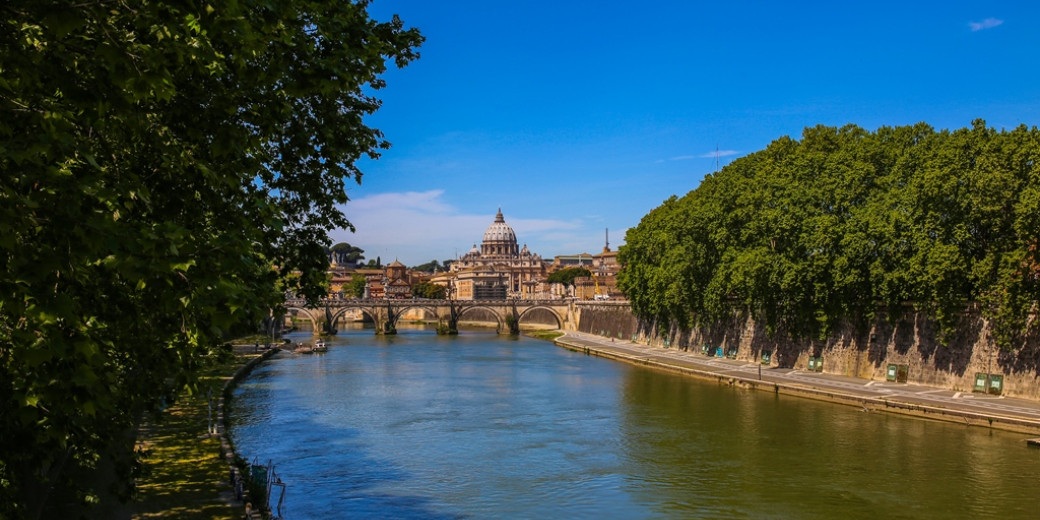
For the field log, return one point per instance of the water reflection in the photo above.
(712, 451)
(479, 426)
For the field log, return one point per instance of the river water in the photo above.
(422, 426)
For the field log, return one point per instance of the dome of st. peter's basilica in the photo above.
(499, 239)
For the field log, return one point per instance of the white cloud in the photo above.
(717, 153)
(709, 155)
(988, 23)
(416, 227)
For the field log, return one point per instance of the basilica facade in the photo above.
(498, 269)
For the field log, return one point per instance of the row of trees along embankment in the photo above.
(167, 171)
(846, 225)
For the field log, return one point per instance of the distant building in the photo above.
(498, 269)
(565, 261)
(603, 269)
(373, 282)
(396, 282)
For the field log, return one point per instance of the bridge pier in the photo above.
(513, 321)
(450, 328)
(386, 320)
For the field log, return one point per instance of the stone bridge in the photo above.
(385, 313)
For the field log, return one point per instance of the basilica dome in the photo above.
(499, 239)
(499, 231)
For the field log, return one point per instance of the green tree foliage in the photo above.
(429, 290)
(567, 275)
(357, 286)
(432, 266)
(348, 254)
(163, 167)
(845, 223)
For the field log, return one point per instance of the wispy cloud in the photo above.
(418, 226)
(988, 23)
(709, 155)
(717, 153)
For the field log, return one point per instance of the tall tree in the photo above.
(348, 254)
(157, 159)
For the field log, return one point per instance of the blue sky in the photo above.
(576, 117)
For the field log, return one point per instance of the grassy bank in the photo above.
(548, 335)
(183, 474)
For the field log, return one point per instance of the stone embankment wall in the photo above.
(866, 354)
(608, 318)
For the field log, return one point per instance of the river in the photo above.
(479, 425)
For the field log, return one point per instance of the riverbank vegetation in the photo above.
(846, 223)
(169, 171)
(547, 335)
(181, 471)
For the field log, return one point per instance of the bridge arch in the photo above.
(429, 309)
(499, 319)
(342, 312)
(305, 313)
(527, 311)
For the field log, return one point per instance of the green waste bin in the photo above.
(767, 357)
(981, 381)
(996, 384)
(890, 375)
(816, 364)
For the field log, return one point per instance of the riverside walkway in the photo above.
(1006, 413)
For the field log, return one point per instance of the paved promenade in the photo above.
(976, 409)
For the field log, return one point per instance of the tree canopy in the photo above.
(348, 254)
(567, 275)
(163, 167)
(432, 266)
(429, 290)
(356, 287)
(845, 223)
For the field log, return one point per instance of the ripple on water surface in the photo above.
(423, 427)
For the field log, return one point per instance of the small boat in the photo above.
(320, 346)
(303, 348)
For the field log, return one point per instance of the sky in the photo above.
(577, 118)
